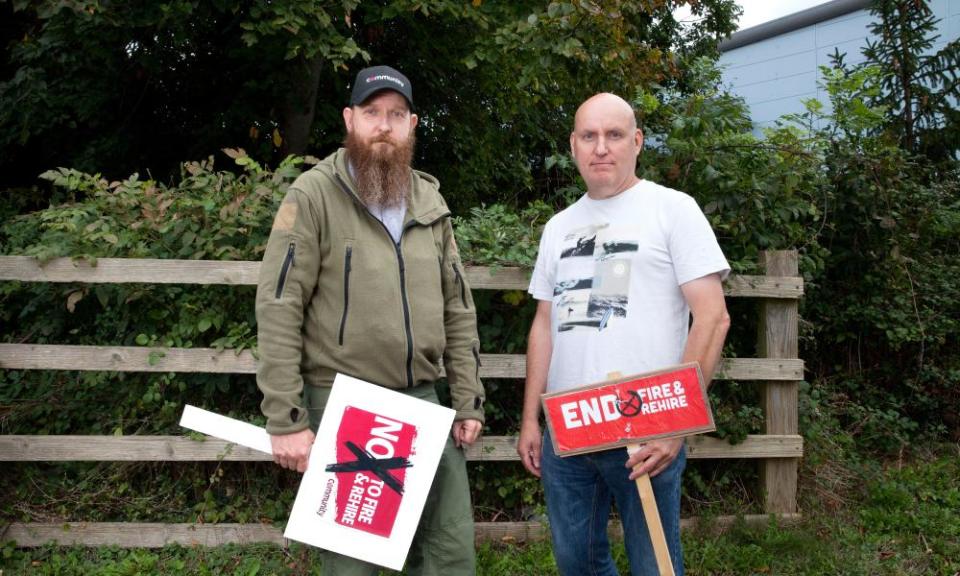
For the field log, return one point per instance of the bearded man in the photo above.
(361, 276)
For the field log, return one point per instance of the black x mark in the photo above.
(379, 467)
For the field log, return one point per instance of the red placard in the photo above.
(664, 404)
(373, 453)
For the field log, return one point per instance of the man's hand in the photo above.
(466, 432)
(654, 456)
(292, 451)
(529, 446)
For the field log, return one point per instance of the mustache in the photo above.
(382, 175)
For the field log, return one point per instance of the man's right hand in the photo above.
(292, 450)
(528, 447)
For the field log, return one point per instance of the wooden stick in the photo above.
(651, 513)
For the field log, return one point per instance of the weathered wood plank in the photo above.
(743, 286)
(210, 360)
(67, 448)
(778, 329)
(501, 278)
(759, 369)
(140, 534)
(157, 271)
(753, 446)
(125, 359)
(156, 535)
(736, 286)
(129, 270)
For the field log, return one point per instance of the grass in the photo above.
(899, 519)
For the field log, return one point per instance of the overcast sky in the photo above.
(757, 11)
(760, 11)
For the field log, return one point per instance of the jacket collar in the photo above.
(424, 206)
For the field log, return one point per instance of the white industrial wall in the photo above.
(776, 74)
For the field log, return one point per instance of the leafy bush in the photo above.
(885, 311)
(498, 235)
(875, 228)
(207, 215)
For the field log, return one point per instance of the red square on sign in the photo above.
(373, 454)
(667, 403)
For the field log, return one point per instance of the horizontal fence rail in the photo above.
(184, 449)
(156, 535)
(238, 273)
(777, 372)
(211, 360)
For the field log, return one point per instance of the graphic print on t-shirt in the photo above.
(593, 278)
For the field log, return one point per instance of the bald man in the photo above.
(618, 275)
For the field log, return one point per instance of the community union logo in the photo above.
(393, 79)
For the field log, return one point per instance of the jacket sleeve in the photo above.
(462, 354)
(288, 275)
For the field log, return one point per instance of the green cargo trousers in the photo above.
(444, 541)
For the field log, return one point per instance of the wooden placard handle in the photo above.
(651, 513)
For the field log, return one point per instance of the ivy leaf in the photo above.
(155, 356)
(73, 298)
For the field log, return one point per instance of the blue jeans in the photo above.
(579, 491)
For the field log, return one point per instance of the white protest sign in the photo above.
(225, 428)
(370, 470)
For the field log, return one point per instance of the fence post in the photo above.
(778, 339)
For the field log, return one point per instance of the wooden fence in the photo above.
(778, 371)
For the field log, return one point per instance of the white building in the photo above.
(774, 66)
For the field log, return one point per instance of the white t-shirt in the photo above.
(392, 218)
(613, 270)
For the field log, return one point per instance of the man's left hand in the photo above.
(654, 456)
(466, 432)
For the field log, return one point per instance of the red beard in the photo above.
(382, 172)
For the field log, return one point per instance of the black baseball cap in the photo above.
(377, 78)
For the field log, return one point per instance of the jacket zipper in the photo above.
(346, 292)
(408, 329)
(287, 263)
(476, 356)
(406, 311)
(463, 288)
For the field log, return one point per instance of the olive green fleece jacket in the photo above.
(336, 294)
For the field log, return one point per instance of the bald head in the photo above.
(605, 144)
(608, 105)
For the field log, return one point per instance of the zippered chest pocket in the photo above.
(288, 262)
(466, 298)
(347, 258)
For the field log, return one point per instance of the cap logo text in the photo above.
(385, 77)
